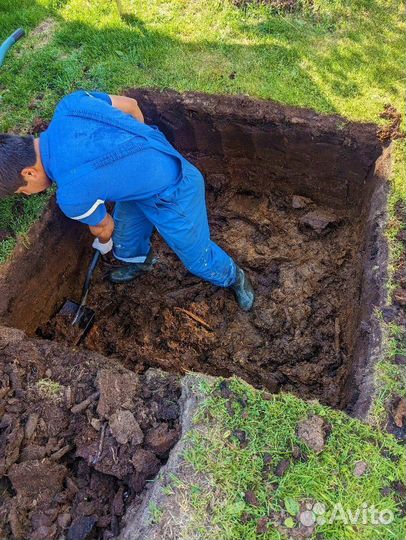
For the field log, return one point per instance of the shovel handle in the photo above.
(90, 271)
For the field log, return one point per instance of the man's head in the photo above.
(21, 169)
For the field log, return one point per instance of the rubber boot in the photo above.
(243, 290)
(130, 271)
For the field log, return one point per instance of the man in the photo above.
(98, 149)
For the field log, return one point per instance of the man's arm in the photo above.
(104, 230)
(128, 105)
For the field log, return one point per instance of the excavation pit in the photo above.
(298, 200)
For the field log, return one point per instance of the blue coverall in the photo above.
(96, 153)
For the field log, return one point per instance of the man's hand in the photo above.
(128, 105)
(104, 230)
(103, 248)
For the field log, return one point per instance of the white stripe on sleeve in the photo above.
(90, 211)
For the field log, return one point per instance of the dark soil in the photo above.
(79, 438)
(392, 130)
(303, 261)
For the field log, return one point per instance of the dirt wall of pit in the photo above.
(266, 145)
(43, 269)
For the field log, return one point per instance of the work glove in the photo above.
(103, 248)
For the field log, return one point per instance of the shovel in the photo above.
(81, 316)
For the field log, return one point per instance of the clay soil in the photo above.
(78, 440)
(304, 263)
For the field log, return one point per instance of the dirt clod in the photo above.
(161, 439)
(360, 468)
(399, 412)
(282, 467)
(124, 428)
(299, 202)
(251, 498)
(64, 473)
(313, 432)
(81, 528)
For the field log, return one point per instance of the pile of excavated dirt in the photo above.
(79, 438)
(305, 264)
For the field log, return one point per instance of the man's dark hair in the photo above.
(16, 153)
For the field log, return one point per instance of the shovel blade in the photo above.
(83, 323)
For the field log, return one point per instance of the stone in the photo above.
(125, 428)
(319, 221)
(312, 432)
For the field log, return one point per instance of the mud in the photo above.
(78, 440)
(303, 263)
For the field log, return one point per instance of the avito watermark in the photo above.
(365, 514)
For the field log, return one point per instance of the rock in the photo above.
(282, 467)
(312, 432)
(161, 439)
(117, 391)
(37, 479)
(124, 428)
(299, 202)
(360, 468)
(251, 498)
(399, 412)
(81, 528)
(145, 462)
(319, 221)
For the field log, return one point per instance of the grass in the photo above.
(49, 389)
(270, 426)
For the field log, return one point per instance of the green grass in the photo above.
(333, 56)
(270, 427)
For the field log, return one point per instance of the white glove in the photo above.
(103, 248)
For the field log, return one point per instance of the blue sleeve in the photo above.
(75, 98)
(100, 95)
(90, 214)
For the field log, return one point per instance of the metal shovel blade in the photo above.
(78, 317)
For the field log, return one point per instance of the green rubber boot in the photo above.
(243, 290)
(130, 271)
